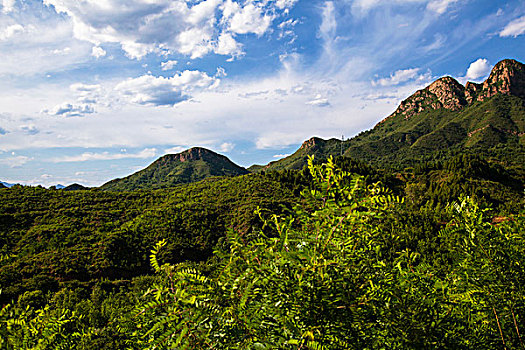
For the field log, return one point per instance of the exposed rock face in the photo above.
(312, 143)
(507, 77)
(449, 93)
(194, 153)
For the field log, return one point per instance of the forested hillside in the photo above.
(349, 264)
(439, 122)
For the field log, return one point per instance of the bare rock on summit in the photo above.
(507, 77)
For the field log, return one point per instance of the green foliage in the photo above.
(350, 266)
(331, 277)
(171, 170)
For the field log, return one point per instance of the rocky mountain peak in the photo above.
(507, 77)
(194, 153)
(312, 142)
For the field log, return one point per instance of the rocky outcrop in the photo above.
(507, 77)
(195, 153)
(312, 143)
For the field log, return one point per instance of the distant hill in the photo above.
(75, 187)
(191, 165)
(440, 121)
(2, 185)
(6, 184)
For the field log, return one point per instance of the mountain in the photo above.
(191, 165)
(314, 146)
(2, 185)
(75, 187)
(442, 120)
(6, 184)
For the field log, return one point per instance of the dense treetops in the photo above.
(349, 265)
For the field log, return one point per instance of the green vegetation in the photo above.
(351, 266)
(413, 240)
(191, 165)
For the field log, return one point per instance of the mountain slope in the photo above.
(445, 119)
(314, 146)
(191, 165)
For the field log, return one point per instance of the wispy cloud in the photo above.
(514, 28)
(88, 156)
(15, 161)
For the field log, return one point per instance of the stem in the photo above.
(499, 326)
(517, 329)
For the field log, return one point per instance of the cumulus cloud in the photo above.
(478, 69)
(514, 28)
(70, 110)
(168, 65)
(8, 6)
(161, 91)
(164, 26)
(11, 31)
(89, 156)
(249, 19)
(98, 52)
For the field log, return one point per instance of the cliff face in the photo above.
(507, 77)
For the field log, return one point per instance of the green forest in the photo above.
(336, 255)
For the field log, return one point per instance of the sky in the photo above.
(92, 90)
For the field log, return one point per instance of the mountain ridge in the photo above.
(443, 119)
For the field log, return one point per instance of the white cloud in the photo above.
(29, 129)
(514, 28)
(398, 77)
(168, 65)
(227, 147)
(227, 45)
(163, 26)
(161, 91)
(478, 69)
(70, 110)
(30, 39)
(437, 6)
(8, 6)
(15, 162)
(11, 31)
(285, 4)
(279, 156)
(89, 156)
(319, 101)
(250, 19)
(174, 150)
(98, 52)
(440, 6)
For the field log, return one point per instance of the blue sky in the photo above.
(97, 89)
